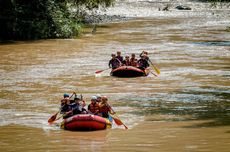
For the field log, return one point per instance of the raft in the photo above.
(129, 71)
(85, 122)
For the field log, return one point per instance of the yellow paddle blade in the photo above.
(156, 69)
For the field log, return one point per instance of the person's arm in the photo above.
(110, 64)
(147, 63)
(141, 54)
(110, 109)
(89, 109)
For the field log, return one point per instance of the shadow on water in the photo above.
(214, 43)
(186, 105)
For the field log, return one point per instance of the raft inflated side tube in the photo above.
(129, 71)
(85, 122)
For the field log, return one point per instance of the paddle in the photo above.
(99, 71)
(155, 68)
(116, 119)
(154, 74)
(57, 118)
(53, 117)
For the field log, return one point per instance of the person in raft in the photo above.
(105, 108)
(143, 62)
(133, 60)
(119, 57)
(69, 109)
(114, 62)
(126, 62)
(65, 106)
(78, 106)
(98, 98)
(93, 107)
(146, 55)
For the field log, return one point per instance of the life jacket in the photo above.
(104, 108)
(126, 62)
(104, 111)
(133, 62)
(93, 107)
(143, 63)
(115, 63)
(65, 108)
(120, 58)
(76, 107)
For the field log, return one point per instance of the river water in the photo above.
(185, 108)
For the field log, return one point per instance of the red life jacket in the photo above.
(94, 108)
(126, 62)
(104, 109)
(133, 62)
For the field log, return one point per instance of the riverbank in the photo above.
(130, 9)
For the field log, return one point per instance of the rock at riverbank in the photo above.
(182, 7)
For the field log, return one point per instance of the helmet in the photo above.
(98, 96)
(93, 98)
(113, 54)
(65, 95)
(76, 98)
(104, 98)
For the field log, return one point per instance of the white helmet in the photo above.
(93, 98)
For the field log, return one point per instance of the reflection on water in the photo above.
(187, 105)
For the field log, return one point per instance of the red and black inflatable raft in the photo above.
(129, 71)
(85, 122)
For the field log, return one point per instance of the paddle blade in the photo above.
(52, 118)
(99, 71)
(157, 70)
(118, 121)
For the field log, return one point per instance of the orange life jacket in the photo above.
(94, 108)
(104, 109)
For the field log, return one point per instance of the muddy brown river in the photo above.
(185, 108)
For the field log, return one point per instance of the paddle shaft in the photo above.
(154, 74)
(117, 117)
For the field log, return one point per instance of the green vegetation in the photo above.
(40, 19)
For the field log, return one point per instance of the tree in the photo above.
(39, 19)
